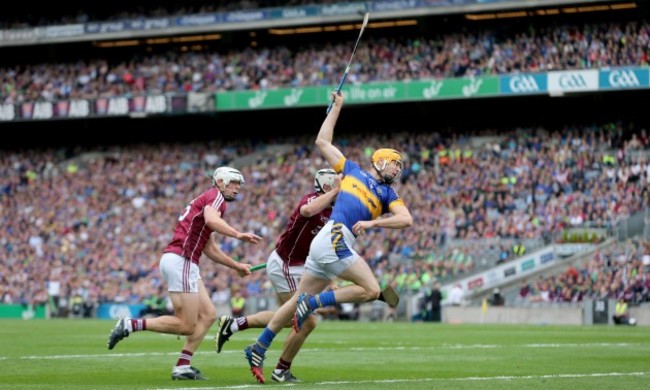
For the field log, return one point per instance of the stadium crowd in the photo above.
(445, 55)
(92, 222)
(72, 12)
(621, 271)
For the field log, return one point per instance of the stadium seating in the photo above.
(91, 221)
(100, 219)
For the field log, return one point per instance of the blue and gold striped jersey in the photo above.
(361, 197)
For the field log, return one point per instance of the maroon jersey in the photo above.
(191, 232)
(293, 244)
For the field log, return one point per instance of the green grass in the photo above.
(72, 354)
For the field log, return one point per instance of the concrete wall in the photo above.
(534, 315)
(642, 315)
(552, 315)
(510, 315)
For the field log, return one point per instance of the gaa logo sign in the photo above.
(523, 84)
(573, 81)
(584, 80)
(623, 79)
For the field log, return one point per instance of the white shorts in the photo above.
(283, 277)
(180, 273)
(330, 252)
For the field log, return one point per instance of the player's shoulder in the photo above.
(350, 163)
(387, 190)
(211, 192)
(306, 198)
(209, 196)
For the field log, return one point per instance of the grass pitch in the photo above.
(72, 354)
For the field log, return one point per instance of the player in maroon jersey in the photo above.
(285, 267)
(194, 312)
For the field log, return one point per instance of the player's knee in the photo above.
(209, 317)
(309, 324)
(207, 321)
(187, 329)
(372, 294)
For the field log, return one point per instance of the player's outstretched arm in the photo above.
(324, 139)
(217, 224)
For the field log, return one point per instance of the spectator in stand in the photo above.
(518, 249)
(504, 255)
(646, 256)
(524, 290)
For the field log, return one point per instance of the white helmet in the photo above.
(322, 178)
(226, 175)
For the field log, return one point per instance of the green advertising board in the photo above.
(370, 93)
(25, 312)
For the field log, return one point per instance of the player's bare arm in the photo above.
(322, 202)
(217, 224)
(324, 139)
(214, 253)
(401, 218)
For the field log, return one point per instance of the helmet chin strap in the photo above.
(385, 178)
(227, 198)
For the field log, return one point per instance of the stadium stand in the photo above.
(412, 57)
(86, 219)
(102, 214)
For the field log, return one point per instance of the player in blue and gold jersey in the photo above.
(363, 197)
